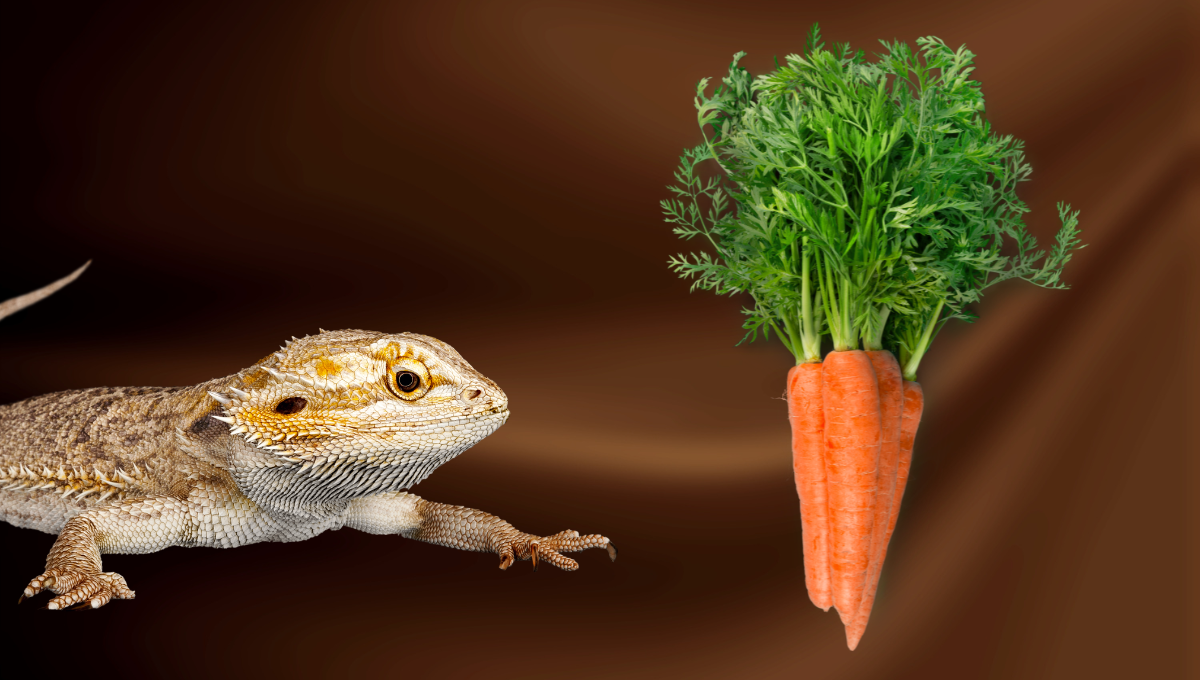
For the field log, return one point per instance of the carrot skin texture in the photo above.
(914, 406)
(891, 405)
(807, 416)
(850, 393)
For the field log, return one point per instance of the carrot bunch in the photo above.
(854, 421)
(859, 204)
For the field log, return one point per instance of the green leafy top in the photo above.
(856, 199)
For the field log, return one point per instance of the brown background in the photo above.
(488, 173)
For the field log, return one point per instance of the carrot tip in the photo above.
(853, 635)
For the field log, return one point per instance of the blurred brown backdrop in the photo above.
(488, 173)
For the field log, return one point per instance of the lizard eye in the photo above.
(407, 381)
(291, 405)
(408, 378)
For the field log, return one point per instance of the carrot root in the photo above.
(854, 422)
(850, 392)
(913, 403)
(914, 406)
(807, 417)
(891, 402)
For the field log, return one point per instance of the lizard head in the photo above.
(403, 403)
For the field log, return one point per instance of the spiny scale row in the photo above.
(68, 482)
(262, 437)
(232, 406)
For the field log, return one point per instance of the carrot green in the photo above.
(869, 201)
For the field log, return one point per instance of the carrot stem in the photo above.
(910, 367)
(783, 337)
(793, 338)
(873, 334)
(847, 330)
(810, 336)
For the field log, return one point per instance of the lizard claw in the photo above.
(79, 590)
(506, 558)
(522, 546)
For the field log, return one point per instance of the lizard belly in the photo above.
(42, 510)
(223, 517)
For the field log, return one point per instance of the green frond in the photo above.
(855, 198)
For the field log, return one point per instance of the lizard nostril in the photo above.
(470, 394)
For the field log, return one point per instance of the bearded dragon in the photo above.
(330, 431)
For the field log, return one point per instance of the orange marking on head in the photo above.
(389, 353)
(327, 367)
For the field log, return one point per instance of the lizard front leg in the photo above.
(73, 568)
(466, 529)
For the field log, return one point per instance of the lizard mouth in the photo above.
(456, 420)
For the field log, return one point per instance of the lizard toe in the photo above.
(117, 586)
(49, 579)
(80, 590)
(506, 557)
(554, 557)
(550, 548)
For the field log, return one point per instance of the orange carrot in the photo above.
(914, 405)
(850, 393)
(830, 273)
(891, 401)
(808, 464)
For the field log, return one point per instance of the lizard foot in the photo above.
(92, 590)
(522, 546)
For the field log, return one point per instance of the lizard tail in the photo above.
(20, 302)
